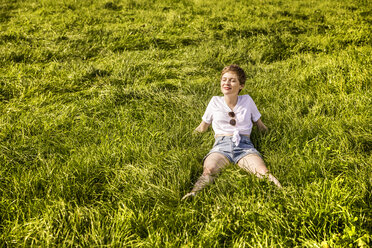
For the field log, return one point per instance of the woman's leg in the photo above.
(254, 164)
(213, 164)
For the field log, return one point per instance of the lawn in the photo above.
(98, 101)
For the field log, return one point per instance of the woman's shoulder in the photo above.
(216, 102)
(247, 100)
(217, 99)
(246, 97)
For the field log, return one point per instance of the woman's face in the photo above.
(230, 84)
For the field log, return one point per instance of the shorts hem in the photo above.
(249, 152)
(227, 156)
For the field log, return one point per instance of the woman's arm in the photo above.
(202, 127)
(261, 126)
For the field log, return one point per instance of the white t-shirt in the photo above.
(245, 110)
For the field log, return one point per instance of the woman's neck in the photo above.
(231, 100)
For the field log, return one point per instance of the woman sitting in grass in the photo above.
(232, 117)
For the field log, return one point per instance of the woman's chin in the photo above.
(229, 93)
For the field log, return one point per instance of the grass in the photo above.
(98, 100)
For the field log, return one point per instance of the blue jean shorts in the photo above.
(234, 153)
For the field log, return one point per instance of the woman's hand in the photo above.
(261, 126)
(203, 126)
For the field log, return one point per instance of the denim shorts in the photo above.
(227, 147)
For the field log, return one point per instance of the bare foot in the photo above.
(189, 195)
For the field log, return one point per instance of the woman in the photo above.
(232, 117)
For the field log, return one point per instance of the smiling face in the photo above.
(230, 84)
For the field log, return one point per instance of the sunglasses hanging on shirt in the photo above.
(232, 121)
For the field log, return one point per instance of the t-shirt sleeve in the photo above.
(254, 111)
(208, 114)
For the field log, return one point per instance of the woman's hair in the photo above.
(236, 69)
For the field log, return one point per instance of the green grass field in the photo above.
(98, 100)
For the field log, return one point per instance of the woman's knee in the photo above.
(210, 170)
(214, 163)
(254, 164)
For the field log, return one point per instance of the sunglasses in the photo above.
(232, 121)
